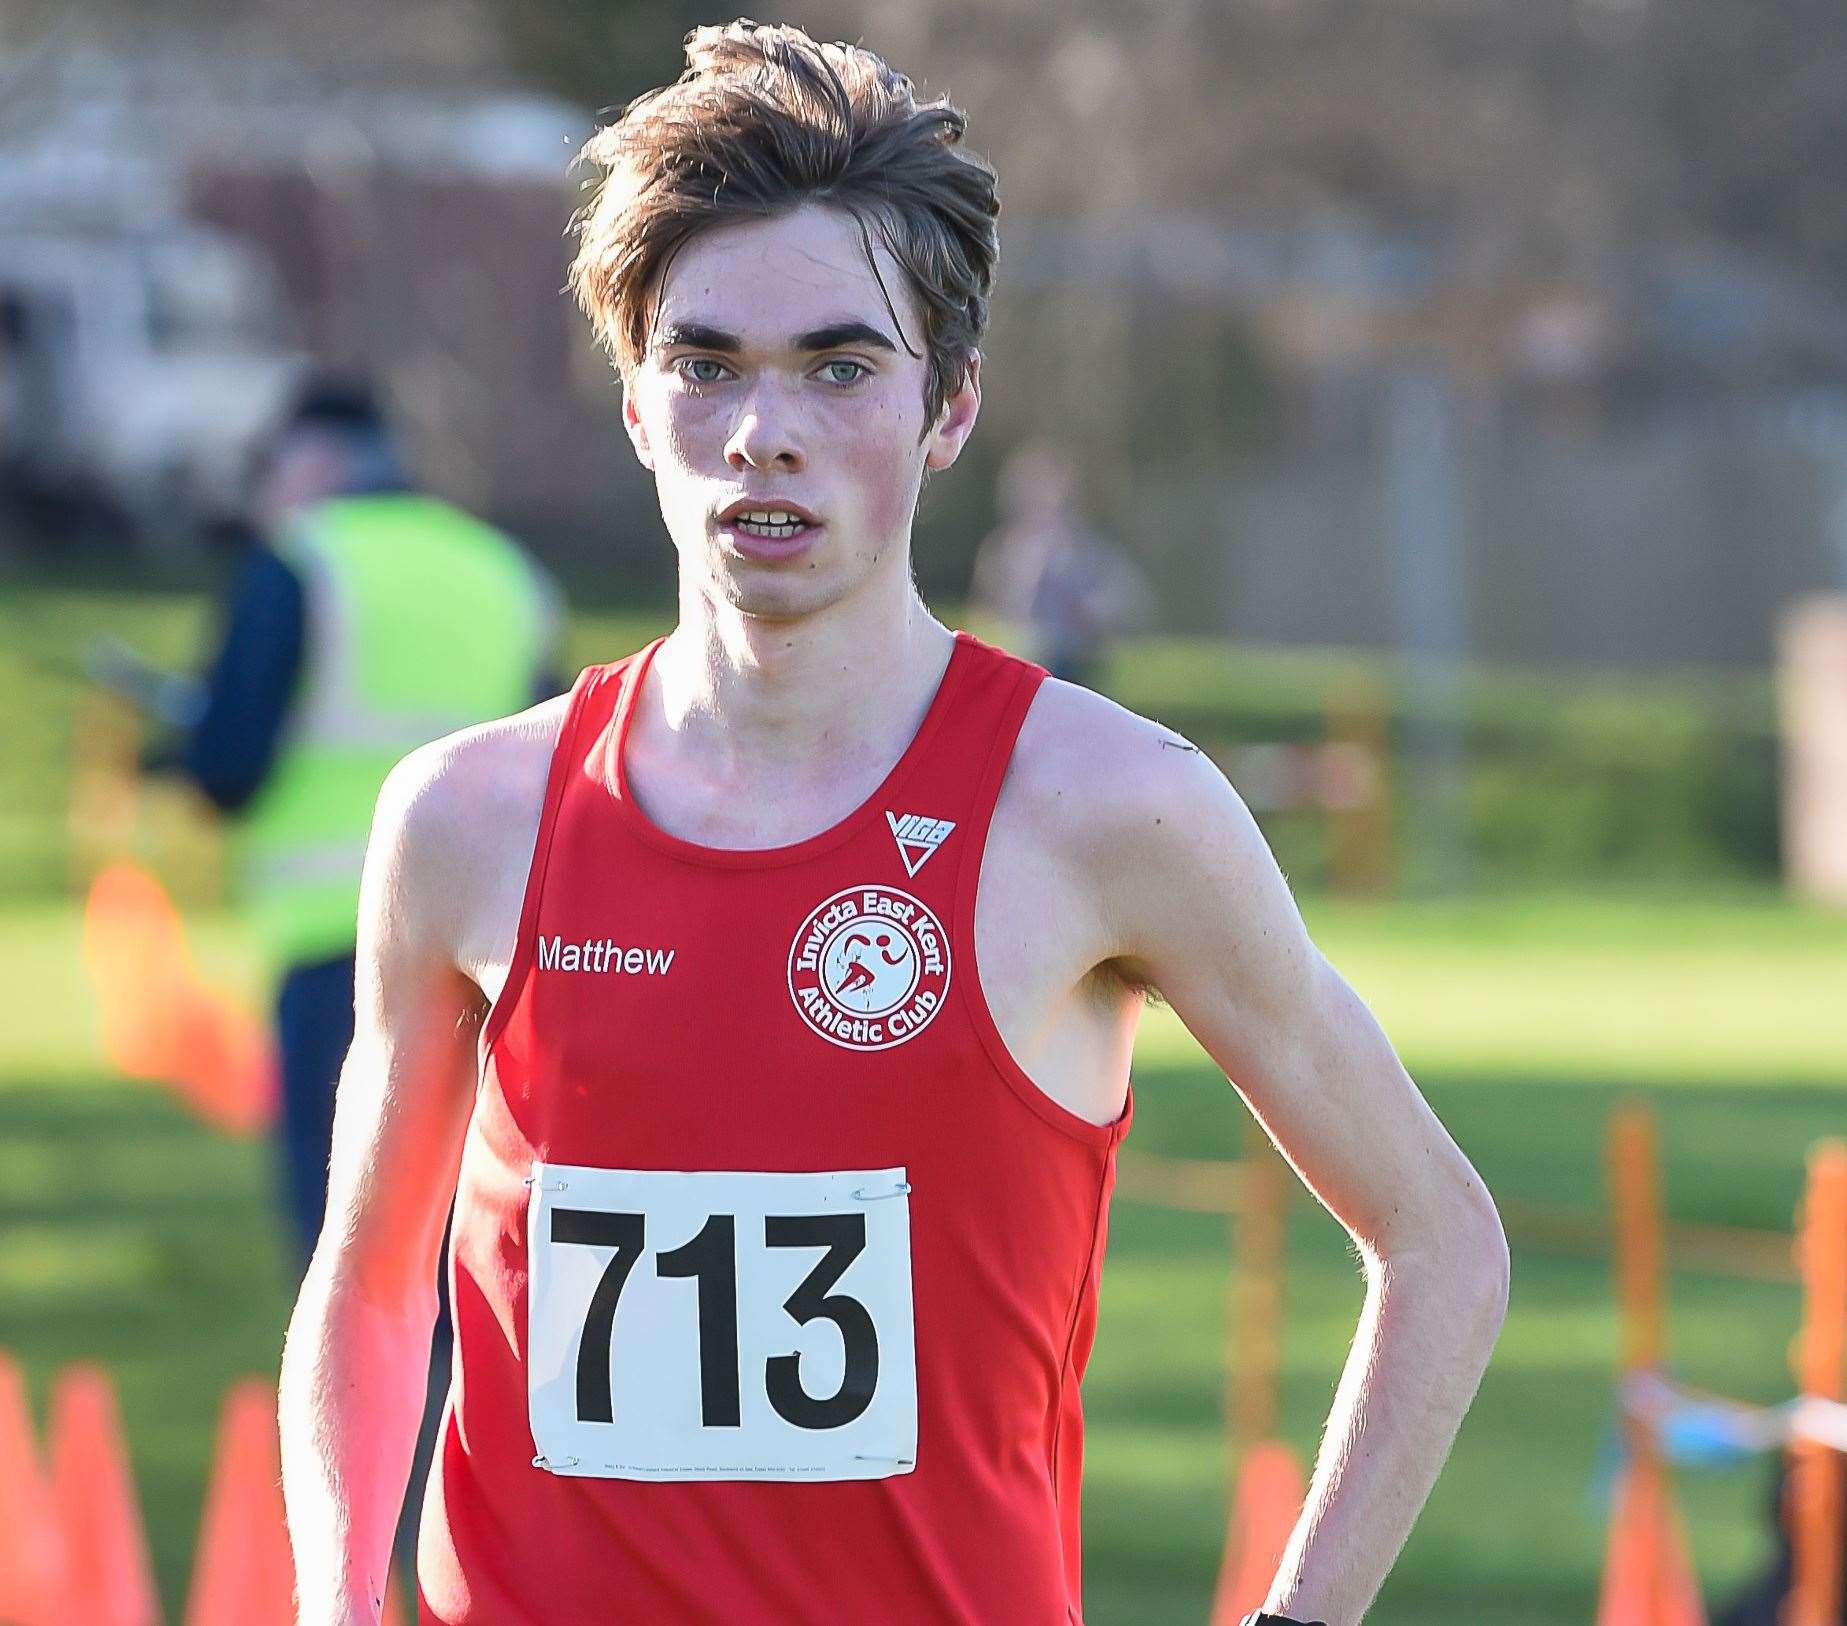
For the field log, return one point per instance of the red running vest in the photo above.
(773, 1274)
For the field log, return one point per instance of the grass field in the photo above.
(128, 1234)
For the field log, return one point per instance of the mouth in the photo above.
(768, 520)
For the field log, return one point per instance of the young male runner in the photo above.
(771, 996)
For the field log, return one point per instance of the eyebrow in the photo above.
(831, 337)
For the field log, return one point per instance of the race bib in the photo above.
(720, 1326)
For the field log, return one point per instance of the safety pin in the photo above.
(866, 1195)
(556, 1185)
(908, 1462)
(549, 1466)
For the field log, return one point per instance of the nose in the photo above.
(764, 436)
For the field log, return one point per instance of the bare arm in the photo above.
(354, 1368)
(1204, 915)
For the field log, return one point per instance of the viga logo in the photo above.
(869, 967)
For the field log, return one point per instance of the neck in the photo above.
(755, 690)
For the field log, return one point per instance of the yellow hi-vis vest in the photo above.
(419, 620)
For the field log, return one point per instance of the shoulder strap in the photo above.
(594, 683)
(1007, 726)
(993, 709)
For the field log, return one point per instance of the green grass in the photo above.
(130, 1235)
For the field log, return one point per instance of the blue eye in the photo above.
(860, 370)
(689, 366)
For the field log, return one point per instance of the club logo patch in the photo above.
(869, 968)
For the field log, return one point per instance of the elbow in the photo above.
(341, 1308)
(1475, 1242)
(381, 1288)
(1502, 1277)
(1464, 1255)
(1485, 1260)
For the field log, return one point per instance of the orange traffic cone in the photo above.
(1264, 1508)
(243, 1574)
(1648, 1578)
(32, 1566)
(111, 1576)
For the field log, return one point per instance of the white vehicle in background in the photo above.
(137, 370)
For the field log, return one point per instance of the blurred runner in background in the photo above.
(368, 618)
(1065, 587)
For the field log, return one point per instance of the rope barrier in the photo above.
(1213, 1185)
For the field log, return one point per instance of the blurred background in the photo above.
(1437, 411)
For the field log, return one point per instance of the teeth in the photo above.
(771, 522)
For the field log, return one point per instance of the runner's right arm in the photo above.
(354, 1368)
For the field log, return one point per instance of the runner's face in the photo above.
(777, 378)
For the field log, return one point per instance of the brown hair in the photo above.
(763, 120)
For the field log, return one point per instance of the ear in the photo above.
(947, 436)
(637, 430)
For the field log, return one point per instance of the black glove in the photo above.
(1260, 1619)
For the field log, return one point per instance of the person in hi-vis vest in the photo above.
(368, 618)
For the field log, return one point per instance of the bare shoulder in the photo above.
(457, 818)
(464, 790)
(1149, 834)
(1089, 773)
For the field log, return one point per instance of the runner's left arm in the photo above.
(1200, 911)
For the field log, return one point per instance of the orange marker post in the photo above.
(1356, 789)
(1816, 1493)
(1648, 1579)
(1635, 1212)
(1269, 1484)
(1259, 1241)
